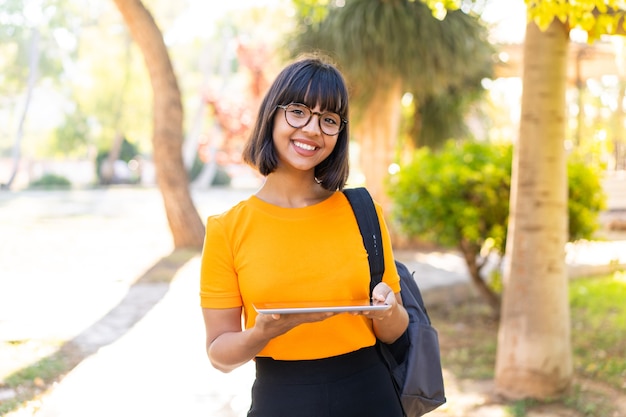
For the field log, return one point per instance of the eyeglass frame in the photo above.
(319, 115)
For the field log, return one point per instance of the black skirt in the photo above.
(354, 384)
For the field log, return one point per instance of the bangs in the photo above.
(318, 85)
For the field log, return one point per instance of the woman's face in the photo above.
(301, 148)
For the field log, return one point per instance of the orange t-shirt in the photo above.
(259, 252)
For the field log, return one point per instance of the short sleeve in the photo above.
(219, 286)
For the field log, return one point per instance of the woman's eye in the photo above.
(330, 121)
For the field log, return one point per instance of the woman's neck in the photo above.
(292, 192)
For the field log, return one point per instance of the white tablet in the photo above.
(318, 307)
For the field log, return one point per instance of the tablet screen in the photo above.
(318, 307)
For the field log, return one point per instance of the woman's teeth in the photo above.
(304, 146)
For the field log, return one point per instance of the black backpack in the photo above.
(414, 359)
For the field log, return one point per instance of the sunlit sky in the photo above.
(507, 16)
(198, 18)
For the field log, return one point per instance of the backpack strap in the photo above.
(367, 219)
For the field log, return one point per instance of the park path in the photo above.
(69, 259)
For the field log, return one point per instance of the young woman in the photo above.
(297, 240)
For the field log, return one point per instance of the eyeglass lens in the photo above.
(298, 115)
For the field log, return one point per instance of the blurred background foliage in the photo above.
(439, 63)
(90, 90)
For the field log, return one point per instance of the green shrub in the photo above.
(586, 198)
(127, 152)
(51, 181)
(458, 198)
(459, 194)
(221, 177)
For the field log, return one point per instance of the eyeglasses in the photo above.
(299, 115)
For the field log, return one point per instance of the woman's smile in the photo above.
(304, 146)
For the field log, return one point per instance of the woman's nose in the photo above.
(313, 125)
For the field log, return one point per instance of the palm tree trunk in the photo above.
(376, 134)
(534, 357)
(185, 223)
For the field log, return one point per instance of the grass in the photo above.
(520, 408)
(589, 403)
(598, 312)
(467, 333)
(468, 339)
(34, 379)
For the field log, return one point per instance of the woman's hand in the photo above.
(228, 346)
(388, 324)
(273, 325)
(383, 295)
